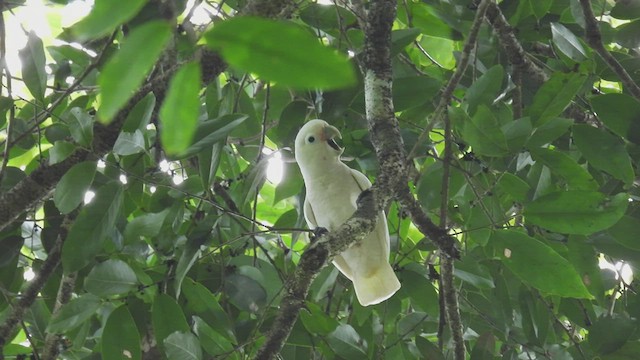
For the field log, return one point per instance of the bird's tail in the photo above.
(377, 287)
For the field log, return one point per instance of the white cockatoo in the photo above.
(332, 191)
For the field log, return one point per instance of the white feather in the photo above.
(332, 190)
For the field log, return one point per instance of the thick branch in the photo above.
(594, 38)
(512, 48)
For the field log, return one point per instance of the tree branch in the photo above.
(30, 293)
(594, 38)
(52, 341)
(41, 182)
(512, 48)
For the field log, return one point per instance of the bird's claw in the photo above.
(318, 232)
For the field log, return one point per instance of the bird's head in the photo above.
(315, 142)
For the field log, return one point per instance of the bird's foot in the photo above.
(318, 232)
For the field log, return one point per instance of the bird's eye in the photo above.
(311, 139)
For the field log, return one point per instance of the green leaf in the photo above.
(610, 333)
(316, 321)
(576, 212)
(81, 126)
(620, 113)
(484, 134)
(604, 151)
(73, 185)
(540, 7)
(280, 51)
(140, 115)
(549, 131)
(94, 223)
(401, 38)
(585, 260)
(514, 186)
(148, 224)
(60, 151)
(413, 91)
(212, 341)
(427, 19)
(105, 16)
(420, 290)
(346, 342)
(327, 17)
(74, 313)
(627, 34)
(167, 317)
(567, 42)
(190, 254)
(180, 109)
(33, 63)
(245, 293)
(10, 246)
(126, 70)
(554, 96)
(129, 143)
(111, 277)
(560, 164)
(538, 265)
(182, 346)
(484, 348)
(485, 89)
(429, 349)
(626, 10)
(210, 132)
(627, 232)
(120, 337)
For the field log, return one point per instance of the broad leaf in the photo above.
(210, 132)
(604, 151)
(627, 34)
(111, 277)
(485, 89)
(576, 177)
(74, 313)
(180, 109)
(33, 63)
(73, 185)
(105, 16)
(576, 212)
(626, 10)
(567, 42)
(281, 52)
(129, 143)
(126, 69)
(120, 337)
(346, 342)
(94, 223)
(182, 346)
(484, 134)
(620, 113)
(554, 96)
(609, 333)
(538, 265)
(167, 317)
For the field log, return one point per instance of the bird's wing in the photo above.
(361, 179)
(338, 261)
(381, 229)
(309, 216)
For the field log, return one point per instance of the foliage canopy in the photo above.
(177, 116)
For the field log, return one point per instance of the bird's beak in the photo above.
(329, 133)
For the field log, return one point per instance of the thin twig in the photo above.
(447, 92)
(594, 38)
